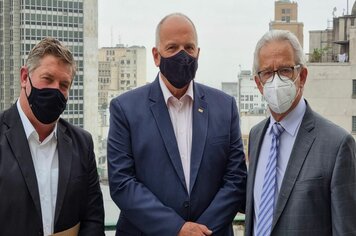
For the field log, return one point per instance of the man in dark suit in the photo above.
(314, 179)
(48, 176)
(175, 154)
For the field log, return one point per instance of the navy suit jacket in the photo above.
(145, 171)
(79, 198)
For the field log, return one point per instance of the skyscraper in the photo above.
(23, 23)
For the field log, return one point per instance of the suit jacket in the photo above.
(79, 197)
(145, 171)
(318, 192)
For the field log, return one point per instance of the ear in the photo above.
(23, 76)
(258, 83)
(198, 53)
(303, 76)
(156, 56)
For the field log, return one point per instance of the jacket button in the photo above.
(186, 204)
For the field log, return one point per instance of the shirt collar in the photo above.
(292, 121)
(167, 94)
(28, 127)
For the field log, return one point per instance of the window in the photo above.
(354, 124)
(354, 88)
(286, 19)
(286, 11)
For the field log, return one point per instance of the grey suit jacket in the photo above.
(318, 192)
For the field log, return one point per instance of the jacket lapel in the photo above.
(164, 124)
(65, 162)
(17, 138)
(200, 129)
(253, 160)
(301, 147)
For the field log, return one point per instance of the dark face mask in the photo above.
(179, 69)
(47, 104)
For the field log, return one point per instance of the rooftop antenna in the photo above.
(119, 38)
(347, 7)
(111, 37)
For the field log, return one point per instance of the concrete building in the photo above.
(121, 69)
(231, 88)
(251, 104)
(331, 83)
(74, 22)
(286, 18)
(250, 99)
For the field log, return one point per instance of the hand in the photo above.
(194, 229)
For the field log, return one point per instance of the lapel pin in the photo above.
(200, 110)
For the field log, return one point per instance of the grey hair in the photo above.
(279, 35)
(49, 46)
(158, 28)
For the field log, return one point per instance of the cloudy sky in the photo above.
(227, 30)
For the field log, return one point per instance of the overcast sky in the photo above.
(228, 30)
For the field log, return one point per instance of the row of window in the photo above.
(62, 39)
(51, 18)
(53, 5)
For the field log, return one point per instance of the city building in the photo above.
(231, 88)
(251, 104)
(286, 18)
(250, 99)
(331, 83)
(121, 69)
(74, 22)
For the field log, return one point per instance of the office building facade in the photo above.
(23, 23)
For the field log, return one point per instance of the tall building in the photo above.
(121, 69)
(24, 23)
(286, 18)
(331, 83)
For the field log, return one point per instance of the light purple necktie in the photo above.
(265, 214)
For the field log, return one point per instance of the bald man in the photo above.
(175, 154)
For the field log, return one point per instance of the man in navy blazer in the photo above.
(175, 155)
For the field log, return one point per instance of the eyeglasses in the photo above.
(266, 76)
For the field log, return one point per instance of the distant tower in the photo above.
(286, 18)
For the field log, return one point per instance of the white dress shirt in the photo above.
(291, 124)
(180, 112)
(45, 160)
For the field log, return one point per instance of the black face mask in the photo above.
(47, 104)
(179, 69)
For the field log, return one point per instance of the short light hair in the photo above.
(50, 46)
(158, 28)
(279, 35)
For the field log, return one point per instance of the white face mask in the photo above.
(280, 94)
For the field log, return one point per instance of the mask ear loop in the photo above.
(297, 94)
(29, 78)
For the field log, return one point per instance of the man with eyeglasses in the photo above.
(302, 168)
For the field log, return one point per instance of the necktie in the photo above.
(265, 215)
